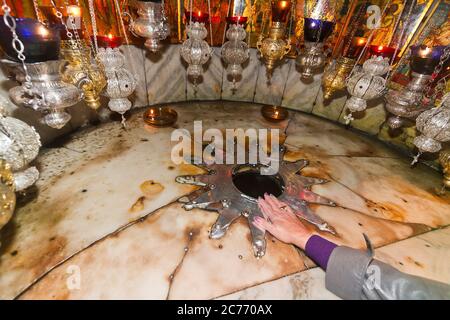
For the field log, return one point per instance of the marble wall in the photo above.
(162, 79)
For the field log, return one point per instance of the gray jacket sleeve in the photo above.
(354, 274)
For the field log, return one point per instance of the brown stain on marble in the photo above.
(138, 205)
(151, 188)
(414, 262)
(387, 210)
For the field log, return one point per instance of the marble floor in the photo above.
(105, 209)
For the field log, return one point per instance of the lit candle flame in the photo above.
(380, 48)
(361, 41)
(110, 36)
(424, 52)
(43, 31)
(74, 11)
(199, 13)
(283, 4)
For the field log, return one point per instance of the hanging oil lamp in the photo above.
(19, 145)
(434, 128)
(42, 87)
(366, 84)
(444, 160)
(274, 47)
(195, 50)
(120, 83)
(151, 24)
(406, 104)
(312, 58)
(336, 73)
(317, 26)
(235, 51)
(80, 71)
(8, 195)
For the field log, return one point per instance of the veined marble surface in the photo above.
(106, 207)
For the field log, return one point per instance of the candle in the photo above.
(280, 10)
(385, 52)
(40, 43)
(197, 16)
(160, 116)
(424, 59)
(317, 30)
(71, 15)
(237, 20)
(356, 46)
(274, 113)
(109, 41)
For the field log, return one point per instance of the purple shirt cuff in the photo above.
(319, 250)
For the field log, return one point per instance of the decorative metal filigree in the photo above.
(434, 126)
(218, 193)
(151, 24)
(444, 160)
(235, 51)
(311, 59)
(51, 95)
(87, 76)
(406, 104)
(120, 82)
(195, 50)
(335, 75)
(366, 84)
(274, 47)
(8, 196)
(19, 145)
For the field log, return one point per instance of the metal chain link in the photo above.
(355, 27)
(17, 44)
(437, 70)
(400, 39)
(93, 23)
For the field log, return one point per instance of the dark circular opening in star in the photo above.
(253, 184)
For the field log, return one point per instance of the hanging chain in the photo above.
(363, 51)
(413, 4)
(17, 44)
(226, 24)
(357, 21)
(291, 21)
(122, 25)
(36, 11)
(437, 70)
(210, 23)
(94, 24)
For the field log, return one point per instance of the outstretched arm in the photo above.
(350, 273)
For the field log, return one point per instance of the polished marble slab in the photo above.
(209, 87)
(271, 90)
(246, 86)
(305, 285)
(94, 210)
(165, 75)
(299, 94)
(427, 255)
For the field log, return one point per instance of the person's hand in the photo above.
(281, 222)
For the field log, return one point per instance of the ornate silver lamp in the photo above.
(434, 126)
(19, 145)
(406, 104)
(366, 84)
(235, 51)
(120, 82)
(151, 24)
(195, 50)
(51, 95)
